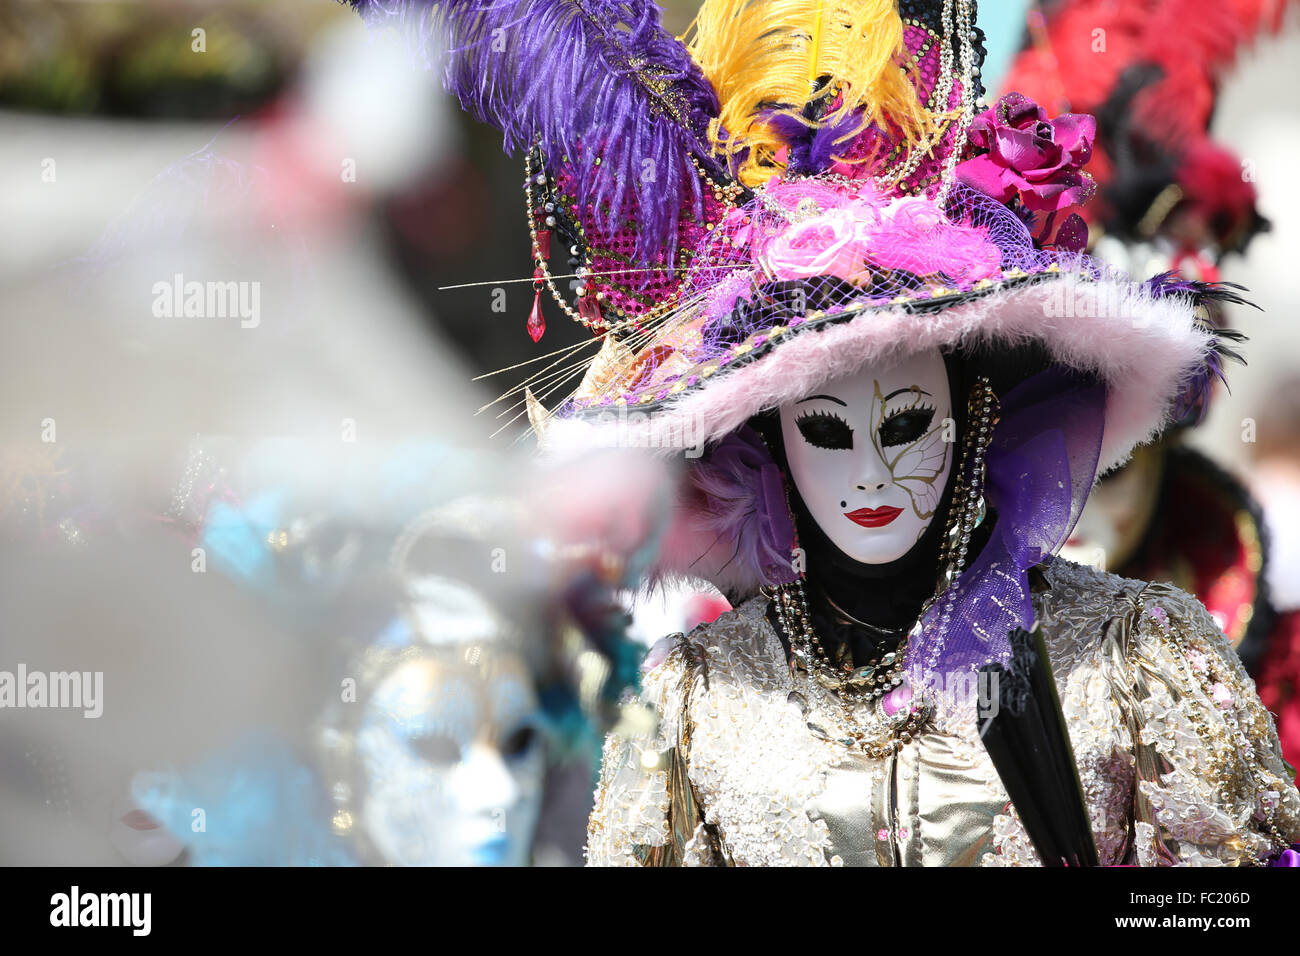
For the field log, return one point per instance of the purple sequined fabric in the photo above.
(1040, 468)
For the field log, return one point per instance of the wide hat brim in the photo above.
(1145, 348)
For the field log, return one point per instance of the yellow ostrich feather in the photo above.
(780, 54)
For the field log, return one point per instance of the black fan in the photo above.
(1030, 747)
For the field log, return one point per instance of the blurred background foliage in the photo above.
(136, 58)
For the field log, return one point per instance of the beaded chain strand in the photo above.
(726, 193)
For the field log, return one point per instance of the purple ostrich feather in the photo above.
(1194, 403)
(598, 85)
(747, 507)
(813, 147)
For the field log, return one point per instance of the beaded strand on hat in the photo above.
(943, 91)
(963, 28)
(541, 274)
(588, 313)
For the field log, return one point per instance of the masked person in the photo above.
(466, 682)
(809, 255)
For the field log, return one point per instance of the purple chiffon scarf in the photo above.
(1041, 465)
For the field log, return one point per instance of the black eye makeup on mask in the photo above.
(825, 430)
(905, 426)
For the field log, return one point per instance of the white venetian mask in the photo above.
(870, 455)
(455, 761)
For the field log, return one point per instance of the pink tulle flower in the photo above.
(915, 236)
(832, 244)
(1028, 155)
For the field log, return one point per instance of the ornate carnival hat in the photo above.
(796, 187)
(796, 190)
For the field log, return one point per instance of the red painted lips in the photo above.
(873, 517)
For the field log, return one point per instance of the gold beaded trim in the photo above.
(761, 336)
(1229, 769)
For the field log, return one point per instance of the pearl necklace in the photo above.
(851, 685)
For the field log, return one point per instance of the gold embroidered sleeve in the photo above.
(646, 810)
(1211, 787)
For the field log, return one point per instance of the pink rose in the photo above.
(1030, 156)
(832, 244)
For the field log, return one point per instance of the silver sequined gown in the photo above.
(1178, 759)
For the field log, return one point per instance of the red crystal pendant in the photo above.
(536, 323)
(544, 243)
(589, 309)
